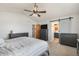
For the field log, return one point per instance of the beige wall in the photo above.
(16, 22)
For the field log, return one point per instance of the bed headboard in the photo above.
(15, 35)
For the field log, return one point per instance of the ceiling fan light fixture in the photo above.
(35, 15)
(35, 7)
(35, 12)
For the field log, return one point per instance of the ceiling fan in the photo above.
(35, 10)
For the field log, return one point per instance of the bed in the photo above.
(19, 44)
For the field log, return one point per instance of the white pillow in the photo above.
(2, 42)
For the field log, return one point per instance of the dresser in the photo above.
(78, 47)
(69, 39)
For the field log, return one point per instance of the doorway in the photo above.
(40, 31)
(55, 29)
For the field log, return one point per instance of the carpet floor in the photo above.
(56, 49)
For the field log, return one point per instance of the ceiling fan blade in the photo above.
(30, 14)
(28, 10)
(38, 15)
(41, 11)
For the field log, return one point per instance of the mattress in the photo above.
(24, 46)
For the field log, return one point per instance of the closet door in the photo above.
(36, 31)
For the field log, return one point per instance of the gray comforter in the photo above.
(23, 46)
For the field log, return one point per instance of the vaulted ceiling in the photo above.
(54, 10)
